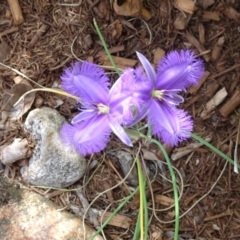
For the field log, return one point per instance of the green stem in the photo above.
(174, 182)
(141, 190)
(114, 213)
(137, 229)
(213, 149)
(105, 47)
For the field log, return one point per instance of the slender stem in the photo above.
(114, 213)
(137, 229)
(105, 46)
(145, 207)
(141, 190)
(174, 182)
(213, 149)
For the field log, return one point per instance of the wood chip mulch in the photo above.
(40, 38)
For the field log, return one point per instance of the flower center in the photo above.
(158, 94)
(102, 109)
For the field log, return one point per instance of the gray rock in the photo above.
(52, 163)
(1, 166)
(126, 160)
(27, 215)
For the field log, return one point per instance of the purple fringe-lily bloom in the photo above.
(103, 110)
(158, 93)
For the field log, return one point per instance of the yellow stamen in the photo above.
(102, 109)
(157, 94)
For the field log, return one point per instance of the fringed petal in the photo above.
(88, 137)
(87, 81)
(169, 124)
(179, 70)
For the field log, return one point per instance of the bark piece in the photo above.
(201, 31)
(9, 31)
(115, 49)
(118, 220)
(38, 35)
(95, 9)
(16, 11)
(5, 50)
(211, 89)
(13, 152)
(207, 3)
(194, 89)
(181, 21)
(121, 62)
(208, 15)
(215, 101)
(159, 53)
(185, 5)
(164, 200)
(215, 54)
(163, 9)
(231, 104)
(198, 45)
(229, 12)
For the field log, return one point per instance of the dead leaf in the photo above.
(130, 8)
(10, 98)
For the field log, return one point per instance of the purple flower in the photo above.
(102, 111)
(159, 93)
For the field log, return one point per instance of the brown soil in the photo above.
(52, 36)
